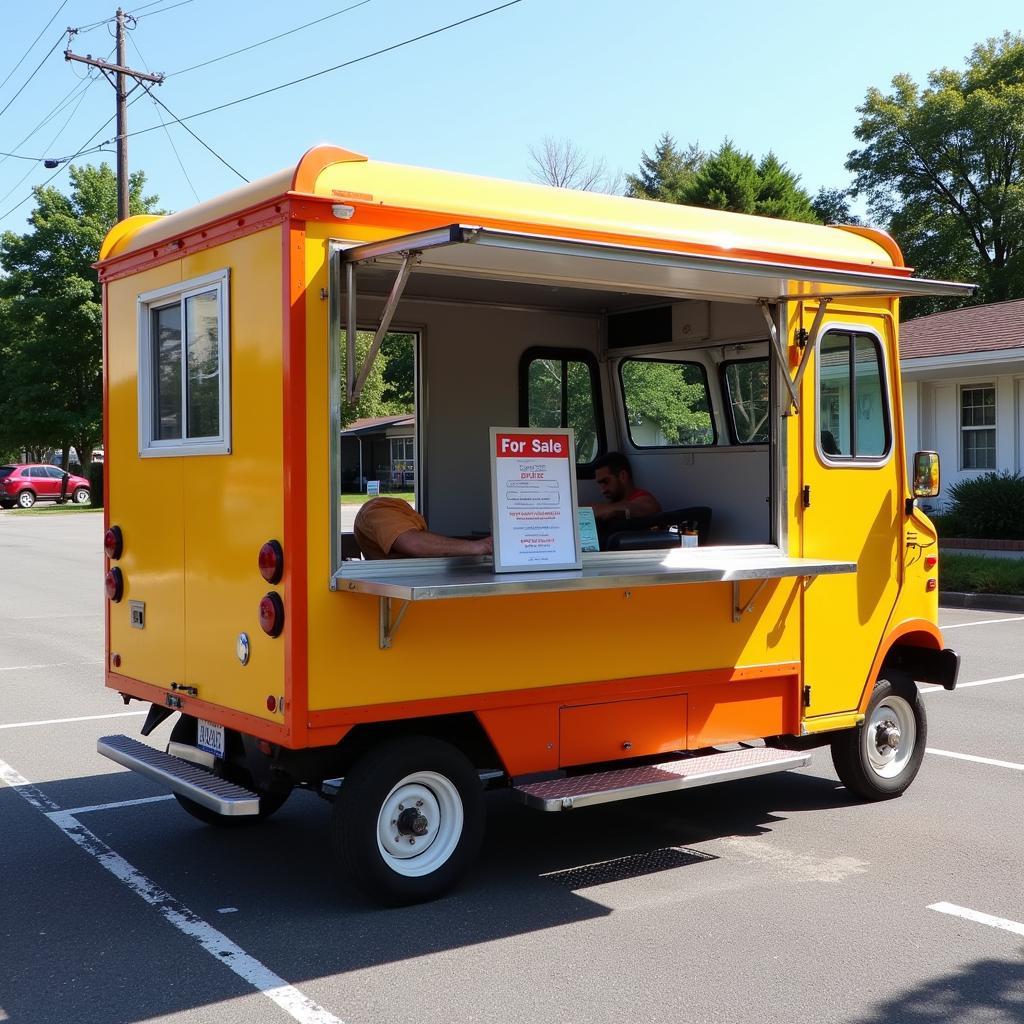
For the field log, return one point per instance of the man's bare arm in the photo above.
(424, 544)
(644, 505)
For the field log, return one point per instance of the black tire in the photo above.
(26, 499)
(449, 786)
(865, 760)
(184, 731)
(6, 504)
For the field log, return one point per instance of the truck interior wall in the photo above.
(469, 359)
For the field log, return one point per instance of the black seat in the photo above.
(650, 533)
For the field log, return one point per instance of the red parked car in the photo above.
(25, 485)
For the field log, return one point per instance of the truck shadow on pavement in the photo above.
(81, 946)
(987, 990)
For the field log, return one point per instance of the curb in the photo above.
(983, 602)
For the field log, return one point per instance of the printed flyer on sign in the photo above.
(533, 496)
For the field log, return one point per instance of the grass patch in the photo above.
(53, 509)
(975, 574)
(362, 499)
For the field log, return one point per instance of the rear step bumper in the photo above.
(646, 780)
(180, 776)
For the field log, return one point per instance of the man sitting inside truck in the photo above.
(624, 500)
(392, 528)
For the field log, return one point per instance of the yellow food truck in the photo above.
(747, 367)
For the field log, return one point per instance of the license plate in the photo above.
(210, 737)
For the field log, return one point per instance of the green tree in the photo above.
(665, 173)
(729, 179)
(832, 206)
(943, 167)
(379, 396)
(51, 327)
(672, 395)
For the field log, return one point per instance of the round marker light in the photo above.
(271, 562)
(113, 543)
(113, 583)
(272, 614)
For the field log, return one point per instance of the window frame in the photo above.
(713, 443)
(851, 461)
(575, 355)
(147, 304)
(730, 418)
(961, 429)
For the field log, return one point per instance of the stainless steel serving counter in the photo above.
(432, 579)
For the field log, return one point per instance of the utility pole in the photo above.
(117, 74)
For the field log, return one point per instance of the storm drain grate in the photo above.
(633, 866)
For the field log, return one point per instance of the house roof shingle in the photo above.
(989, 328)
(371, 423)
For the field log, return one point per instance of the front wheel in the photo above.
(880, 758)
(409, 820)
(80, 496)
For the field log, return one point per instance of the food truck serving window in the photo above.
(558, 388)
(184, 368)
(667, 403)
(853, 403)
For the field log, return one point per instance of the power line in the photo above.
(138, 17)
(263, 42)
(336, 67)
(33, 75)
(177, 155)
(33, 43)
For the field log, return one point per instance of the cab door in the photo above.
(851, 466)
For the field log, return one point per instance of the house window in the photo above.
(403, 461)
(667, 403)
(184, 368)
(978, 426)
(853, 406)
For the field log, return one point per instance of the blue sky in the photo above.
(611, 76)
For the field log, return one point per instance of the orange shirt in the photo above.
(381, 521)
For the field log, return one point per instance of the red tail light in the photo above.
(272, 614)
(272, 562)
(930, 561)
(931, 585)
(114, 584)
(113, 543)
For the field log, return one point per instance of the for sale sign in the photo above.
(533, 500)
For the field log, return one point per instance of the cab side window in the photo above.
(667, 403)
(747, 384)
(853, 407)
(559, 388)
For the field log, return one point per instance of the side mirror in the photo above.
(926, 474)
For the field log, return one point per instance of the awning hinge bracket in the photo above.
(388, 627)
(354, 383)
(739, 608)
(806, 340)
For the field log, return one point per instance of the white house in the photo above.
(963, 388)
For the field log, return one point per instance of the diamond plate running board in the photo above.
(180, 776)
(646, 780)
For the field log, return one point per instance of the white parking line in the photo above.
(118, 803)
(977, 682)
(979, 918)
(81, 718)
(983, 622)
(216, 943)
(974, 757)
(52, 664)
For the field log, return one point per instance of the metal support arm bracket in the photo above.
(388, 627)
(793, 383)
(354, 383)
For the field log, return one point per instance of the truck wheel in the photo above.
(184, 731)
(880, 758)
(408, 820)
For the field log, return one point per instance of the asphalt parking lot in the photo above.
(773, 899)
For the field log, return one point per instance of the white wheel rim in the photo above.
(26, 501)
(436, 799)
(81, 497)
(890, 737)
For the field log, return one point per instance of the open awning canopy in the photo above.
(488, 254)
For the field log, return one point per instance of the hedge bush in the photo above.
(989, 506)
